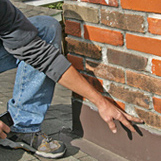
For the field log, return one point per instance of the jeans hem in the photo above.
(25, 130)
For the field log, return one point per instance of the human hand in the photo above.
(77, 83)
(3, 130)
(109, 112)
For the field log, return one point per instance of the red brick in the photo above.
(129, 96)
(103, 35)
(97, 83)
(72, 28)
(83, 48)
(149, 118)
(126, 60)
(143, 44)
(113, 3)
(142, 5)
(156, 67)
(157, 104)
(144, 82)
(106, 72)
(82, 13)
(77, 62)
(121, 105)
(129, 22)
(154, 26)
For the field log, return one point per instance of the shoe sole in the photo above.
(21, 145)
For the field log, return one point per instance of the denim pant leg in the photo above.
(33, 90)
(7, 61)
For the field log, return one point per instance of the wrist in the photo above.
(99, 101)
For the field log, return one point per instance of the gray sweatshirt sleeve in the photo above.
(20, 38)
(15, 29)
(42, 56)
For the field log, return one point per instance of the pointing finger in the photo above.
(126, 123)
(112, 126)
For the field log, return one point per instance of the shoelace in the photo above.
(47, 138)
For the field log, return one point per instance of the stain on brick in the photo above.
(130, 96)
(123, 21)
(88, 14)
(126, 60)
(106, 72)
(144, 82)
(82, 48)
(149, 118)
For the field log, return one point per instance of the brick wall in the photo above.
(116, 45)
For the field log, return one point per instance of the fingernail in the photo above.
(114, 131)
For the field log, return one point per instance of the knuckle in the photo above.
(1, 124)
(130, 118)
(108, 119)
(112, 126)
(127, 124)
(119, 116)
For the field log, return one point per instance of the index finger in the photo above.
(126, 123)
(134, 119)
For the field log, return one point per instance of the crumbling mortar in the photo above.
(131, 88)
(147, 69)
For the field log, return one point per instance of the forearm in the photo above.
(74, 81)
(77, 83)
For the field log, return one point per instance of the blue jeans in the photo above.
(33, 90)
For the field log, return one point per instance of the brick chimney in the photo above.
(116, 46)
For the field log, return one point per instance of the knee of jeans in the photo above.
(45, 22)
(55, 31)
(48, 27)
(55, 26)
